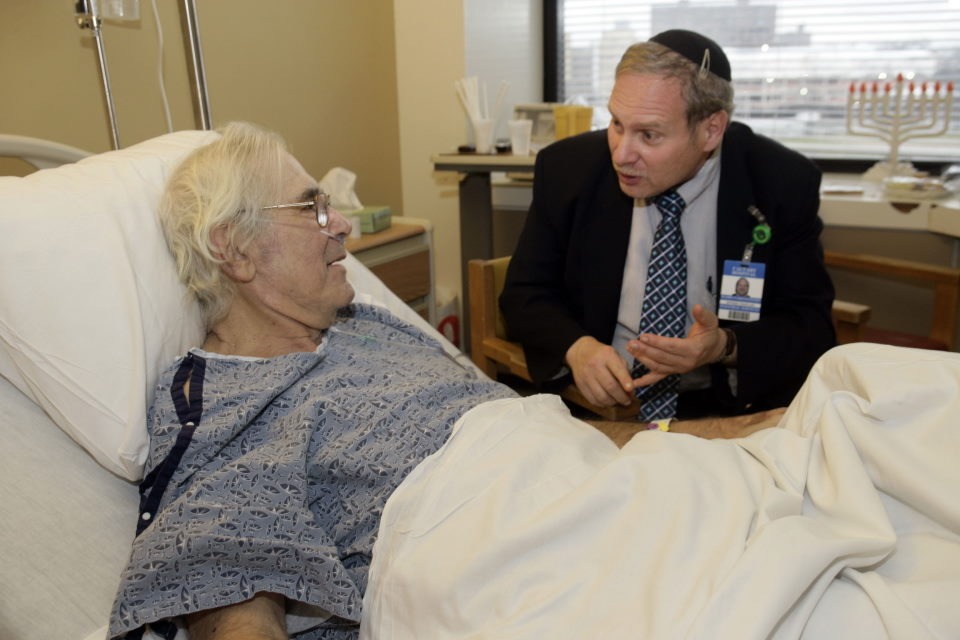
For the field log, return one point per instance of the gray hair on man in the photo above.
(704, 92)
(224, 184)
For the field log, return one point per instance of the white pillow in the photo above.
(91, 310)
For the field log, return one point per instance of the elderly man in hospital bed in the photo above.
(318, 454)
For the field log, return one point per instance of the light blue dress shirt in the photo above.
(699, 226)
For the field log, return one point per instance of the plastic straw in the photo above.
(501, 94)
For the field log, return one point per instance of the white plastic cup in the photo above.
(483, 135)
(355, 231)
(520, 136)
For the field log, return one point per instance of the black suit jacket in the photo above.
(565, 276)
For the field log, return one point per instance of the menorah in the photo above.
(896, 115)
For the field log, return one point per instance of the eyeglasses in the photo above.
(320, 205)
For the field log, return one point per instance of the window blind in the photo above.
(793, 63)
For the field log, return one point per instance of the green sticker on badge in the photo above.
(762, 233)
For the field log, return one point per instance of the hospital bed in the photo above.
(92, 312)
(591, 541)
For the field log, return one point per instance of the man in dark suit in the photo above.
(575, 285)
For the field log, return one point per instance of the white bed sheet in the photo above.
(529, 524)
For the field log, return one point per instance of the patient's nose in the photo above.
(339, 224)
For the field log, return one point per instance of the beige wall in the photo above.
(51, 81)
(51, 86)
(364, 84)
(319, 72)
(429, 60)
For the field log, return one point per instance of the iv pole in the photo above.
(190, 25)
(87, 18)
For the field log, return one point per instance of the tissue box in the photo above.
(372, 219)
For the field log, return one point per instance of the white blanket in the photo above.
(843, 523)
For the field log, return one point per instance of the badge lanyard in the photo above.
(761, 233)
(741, 288)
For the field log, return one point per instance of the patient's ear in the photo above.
(236, 264)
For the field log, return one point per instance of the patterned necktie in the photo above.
(664, 310)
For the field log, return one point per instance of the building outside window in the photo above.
(793, 61)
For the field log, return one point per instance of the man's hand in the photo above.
(664, 356)
(600, 372)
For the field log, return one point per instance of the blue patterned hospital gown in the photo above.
(279, 482)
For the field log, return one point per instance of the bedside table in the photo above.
(402, 256)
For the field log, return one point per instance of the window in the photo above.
(793, 63)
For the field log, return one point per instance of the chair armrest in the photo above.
(907, 269)
(850, 320)
(852, 312)
(490, 351)
(509, 354)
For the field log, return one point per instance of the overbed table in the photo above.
(476, 208)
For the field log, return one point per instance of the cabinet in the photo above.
(402, 257)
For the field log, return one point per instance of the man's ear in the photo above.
(236, 264)
(712, 130)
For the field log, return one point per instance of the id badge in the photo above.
(741, 290)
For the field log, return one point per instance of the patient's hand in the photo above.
(730, 427)
(259, 618)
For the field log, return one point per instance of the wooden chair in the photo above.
(492, 352)
(944, 281)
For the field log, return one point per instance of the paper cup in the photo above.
(520, 136)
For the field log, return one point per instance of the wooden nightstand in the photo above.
(402, 256)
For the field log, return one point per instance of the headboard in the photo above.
(43, 154)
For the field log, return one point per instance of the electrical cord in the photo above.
(163, 88)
